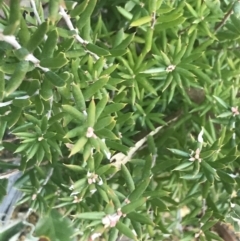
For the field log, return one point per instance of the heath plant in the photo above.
(122, 116)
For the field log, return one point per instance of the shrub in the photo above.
(123, 114)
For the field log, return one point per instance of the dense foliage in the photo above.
(123, 115)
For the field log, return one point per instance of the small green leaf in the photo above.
(14, 116)
(165, 58)
(191, 10)
(148, 39)
(225, 177)
(95, 87)
(57, 62)
(32, 151)
(207, 168)
(124, 229)
(75, 168)
(168, 81)
(154, 70)
(110, 69)
(97, 50)
(133, 205)
(16, 79)
(125, 43)
(37, 37)
(55, 79)
(98, 66)
(124, 13)
(14, 18)
(106, 133)
(91, 215)
(103, 169)
(21, 103)
(86, 14)
(78, 9)
(221, 102)
(170, 24)
(202, 76)
(141, 21)
(23, 147)
(128, 177)
(78, 185)
(46, 89)
(53, 10)
(225, 114)
(91, 114)
(101, 105)
(139, 190)
(183, 166)
(78, 97)
(141, 218)
(147, 85)
(73, 112)
(117, 146)
(103, 122)
(32, 119)
(115, 107)
(179, 152)
(169, 17)
(39, 105)
(117, 52)
(78, 145)
(77, 131)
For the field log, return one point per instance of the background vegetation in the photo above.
(122, 116)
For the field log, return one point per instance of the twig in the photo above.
(224, 20)
(12, 159)
(153, 22)
(44, 183)
(50, 109)
(30, 57)
(35, 11)
(122, 159)
(70, 25)
(10, 39)
(77, 36)
(8, 174)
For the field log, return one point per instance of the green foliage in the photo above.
(124, 114)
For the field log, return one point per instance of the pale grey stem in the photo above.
(122, 159)
(30, 57)
(50, 110)
(71, 27)
(44, 183)
(35, 11)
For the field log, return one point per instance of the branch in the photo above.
(122, 159)
(30, 57)
(44, 183)
(224, 20)
(70, 25)
(11, 40)
(35, 11)
(8, 174)
(77, 36)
